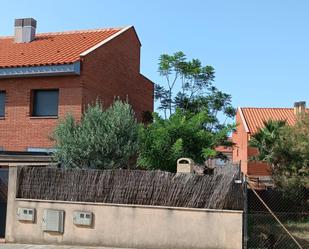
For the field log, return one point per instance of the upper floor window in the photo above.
(2, 103)
(45, 103)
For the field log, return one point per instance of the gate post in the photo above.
(245, 213)
(10, 214)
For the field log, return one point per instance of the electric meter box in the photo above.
(26, 214)
(82, 218)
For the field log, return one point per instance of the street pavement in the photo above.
(21, 246)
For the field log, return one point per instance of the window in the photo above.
(45, 103)
(2, 103)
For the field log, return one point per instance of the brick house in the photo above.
(226, 151)
(249, 121)
(44, 76)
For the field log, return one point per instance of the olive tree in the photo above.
(103, 138)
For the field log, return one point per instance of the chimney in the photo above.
(299, 107)
(25, 30)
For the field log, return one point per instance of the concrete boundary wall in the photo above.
(130, 226)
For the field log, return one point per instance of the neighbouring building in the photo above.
(249, 121)
(44, 76)
(227, 152)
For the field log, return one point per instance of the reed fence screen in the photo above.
(216, 191)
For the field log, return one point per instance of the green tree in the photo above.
(265, 140)
(195, 85)
(190, 104)
(286, 148)
(181, 135)
(102, 139)
(291, 156)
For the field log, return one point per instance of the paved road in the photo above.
(19, 246)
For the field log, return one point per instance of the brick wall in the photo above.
(257, 168)
(242, 152)
(18, 130)
(109, 71)
(113, 70)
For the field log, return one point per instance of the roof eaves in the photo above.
(105, 41)
(42, 70)
(243, 120)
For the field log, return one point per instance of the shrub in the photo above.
(181, 135)
(102, 139)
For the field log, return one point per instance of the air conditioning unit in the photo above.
(53, 220)
(82, 218)
(26, 214)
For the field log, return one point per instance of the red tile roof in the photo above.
(224, 149)
(51, 48)
(254, 117)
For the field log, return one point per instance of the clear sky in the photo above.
(259, 48)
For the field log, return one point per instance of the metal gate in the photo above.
(3, 198)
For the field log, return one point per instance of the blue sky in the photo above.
(259, 48)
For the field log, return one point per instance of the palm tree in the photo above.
(265, 140)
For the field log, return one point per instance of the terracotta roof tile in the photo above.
(51, 48)
(254, 117)
(224, 149)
